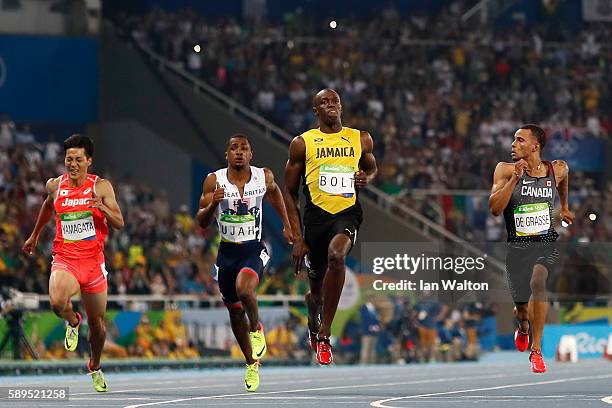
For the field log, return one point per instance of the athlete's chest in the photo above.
(529, 188)
(333, 148)
(70, 199)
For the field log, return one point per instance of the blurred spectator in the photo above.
(429, 312)
(370, 328)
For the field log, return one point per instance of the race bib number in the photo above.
(237, 228)
(337, 180)
(532, 219)
(78, 226)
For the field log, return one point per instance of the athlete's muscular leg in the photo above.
(240, 328)
(314, 301)
(246, 285)
(62, 286)
(95, 306)
(538, 302)
(333, 282)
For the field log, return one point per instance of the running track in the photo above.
(490, 384)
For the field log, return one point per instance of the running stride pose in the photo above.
(84, 205)
(234, 196)
(525, 192)
(335, 162)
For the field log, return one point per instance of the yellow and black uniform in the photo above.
(332, 206)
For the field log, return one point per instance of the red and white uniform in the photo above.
(80, 232)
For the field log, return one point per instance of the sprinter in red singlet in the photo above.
(84, 205)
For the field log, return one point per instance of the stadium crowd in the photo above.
(160, 251)
(441, 98)
(442, 102)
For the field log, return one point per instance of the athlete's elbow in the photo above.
(495, 211)
(494, 208)
(119, 224)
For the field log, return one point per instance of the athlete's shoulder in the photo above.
(308, 135)
(102, 185)
(505, 166)
(219, 172)
(53, 184)
(504, 169)
(561, 164)
(309, 132)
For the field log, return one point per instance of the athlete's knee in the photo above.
(58, 305)
(245, 292)
(521, 310)
(335, 258)
(97, 327)
(96, 323)
(314, 297)
(538, 284)
(235, 310)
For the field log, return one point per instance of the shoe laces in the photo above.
(252, 370)
(324, 345)
(536, 353)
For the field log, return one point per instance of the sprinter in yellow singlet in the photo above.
(334, 162)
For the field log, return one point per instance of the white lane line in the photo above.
(607, 400)
(381, 403)
(225, 383)
(340, 387)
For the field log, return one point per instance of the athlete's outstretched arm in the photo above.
(44, 215)
(212, 194)
(276, 199)
(504, 181)
(562, 171)
(367, 163)
(293, 174)
(104, 200)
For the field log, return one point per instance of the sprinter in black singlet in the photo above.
(335, 162)
(525, 192)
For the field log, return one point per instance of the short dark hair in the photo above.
(538, 132)
(238, 136)
(78, 140)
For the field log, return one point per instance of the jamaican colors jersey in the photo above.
(329, 175)
(528, 215)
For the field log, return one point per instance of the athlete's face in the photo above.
(327, 106)
(76, 162)
(525, 144)
(239, 153)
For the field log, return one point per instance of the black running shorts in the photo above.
(318, 237)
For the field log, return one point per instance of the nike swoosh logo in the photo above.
(344, 138)
(247, 385)
(87, 191)
(528, 182)
(261, 352)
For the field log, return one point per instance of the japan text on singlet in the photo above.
(80, 231)
(239, 218)
(329, 175)
(528, 215)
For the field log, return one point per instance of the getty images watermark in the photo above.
(407, 264)
(448, 271)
